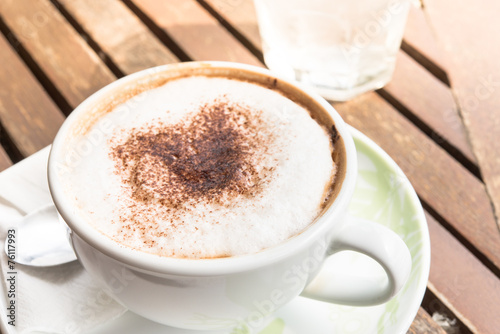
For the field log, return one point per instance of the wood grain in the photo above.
(120, 34)
(469, 289)
(430, 100)
(423, 323)
(469, 37)
(198, 33)
(66, 59)
(458, 196)
(27, 113)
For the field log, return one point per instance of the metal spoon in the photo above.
(41, 240)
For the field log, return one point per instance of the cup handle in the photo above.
(378, 242)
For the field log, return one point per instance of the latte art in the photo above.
(205, 167)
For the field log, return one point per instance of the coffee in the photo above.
(201, 166)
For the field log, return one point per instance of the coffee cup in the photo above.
(214, 290)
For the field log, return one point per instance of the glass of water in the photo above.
(341, 48)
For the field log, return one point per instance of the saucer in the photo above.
(383, 194)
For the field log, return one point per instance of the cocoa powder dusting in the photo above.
(212, 156)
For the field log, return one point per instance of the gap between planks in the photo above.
(424, 323)
(488, 263)
(251, 46)
(5, 161)
(9, 153)
(448, 146)
(420, 43)
(432, 304)
(160, 33)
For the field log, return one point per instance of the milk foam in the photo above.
(276, 170)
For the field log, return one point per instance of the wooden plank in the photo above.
(65, 58)
(430, 100)
(420, 40)
(412, 85)
(469, 289)
(5, 161)
(120, 34)
(423, 323)
(27, 113)
(241, 14)
(196, 31)
(469, 36)
(458, 196)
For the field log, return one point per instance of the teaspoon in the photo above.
(41, 240)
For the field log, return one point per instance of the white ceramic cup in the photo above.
(224, 292)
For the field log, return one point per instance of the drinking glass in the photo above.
(340, 48)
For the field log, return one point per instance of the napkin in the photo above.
(61, 299)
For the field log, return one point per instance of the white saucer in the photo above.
(383, 194)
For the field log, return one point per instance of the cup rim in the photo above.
(317, 231)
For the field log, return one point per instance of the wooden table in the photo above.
(55, 53)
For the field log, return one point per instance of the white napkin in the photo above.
(60, 299)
